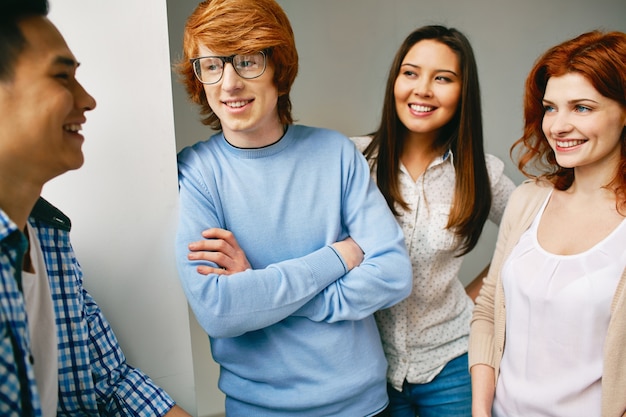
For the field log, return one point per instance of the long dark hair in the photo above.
(463, 135)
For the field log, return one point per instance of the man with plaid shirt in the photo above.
(58, 355)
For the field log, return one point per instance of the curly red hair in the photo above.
(599, 57)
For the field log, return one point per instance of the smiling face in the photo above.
(247, 108)
(583, 127)
(45, 106)
(428, 88)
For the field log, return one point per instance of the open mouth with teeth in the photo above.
(569, 143)
(237, 104)
(421, 109)
(73, 127)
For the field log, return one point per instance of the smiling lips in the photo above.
(73, 127)
(421, 109)
(236, 104)
(569, 143)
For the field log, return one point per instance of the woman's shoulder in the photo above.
(524, 203)
(493, 162)
(531, 192)
(495, 167)
(535, 185)
(361, 142)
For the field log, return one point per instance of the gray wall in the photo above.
(346, 47)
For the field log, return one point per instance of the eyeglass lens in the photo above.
(209, 69)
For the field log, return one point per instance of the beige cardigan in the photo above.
(488, 323)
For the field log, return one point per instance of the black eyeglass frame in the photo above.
(229, 60)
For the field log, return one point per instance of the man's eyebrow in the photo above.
(68, 62)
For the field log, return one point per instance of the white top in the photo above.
(422, 333)
(557, 315)
(42, 328)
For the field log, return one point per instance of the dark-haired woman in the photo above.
(428, 160)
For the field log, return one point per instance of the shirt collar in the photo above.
(7, 226)
(447, 155)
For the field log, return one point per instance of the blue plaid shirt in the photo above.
(94, 378)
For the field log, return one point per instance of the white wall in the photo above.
(123, 201)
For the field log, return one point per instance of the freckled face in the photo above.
(46, 106)
(583, 127)
(247, 108)
(428, 88)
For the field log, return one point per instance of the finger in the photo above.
(217, 233)
(207, 270)
(222, 235)
(212, 245)
(218, 258)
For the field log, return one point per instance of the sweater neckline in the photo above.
(262, 152)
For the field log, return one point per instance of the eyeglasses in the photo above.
(210, 69)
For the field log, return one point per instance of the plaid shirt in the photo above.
(94, 378)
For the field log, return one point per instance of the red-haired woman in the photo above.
(556, 288)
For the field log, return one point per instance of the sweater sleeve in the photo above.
(384, 278)
(229, 306)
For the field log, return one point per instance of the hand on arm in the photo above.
(350, 251)
(256, 298)
(380, 274)
(220, 247)
(250, 276)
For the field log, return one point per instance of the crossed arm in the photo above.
(246, 268)
(220, 247)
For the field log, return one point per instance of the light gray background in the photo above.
(346, 48)
(123, 201)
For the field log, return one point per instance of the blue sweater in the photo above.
(295, 334)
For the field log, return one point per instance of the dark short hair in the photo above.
(12, 41)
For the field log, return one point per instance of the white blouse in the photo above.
(557, 316)
(422, 333)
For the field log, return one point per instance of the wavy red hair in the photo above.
(237, 27)
(598, 56)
